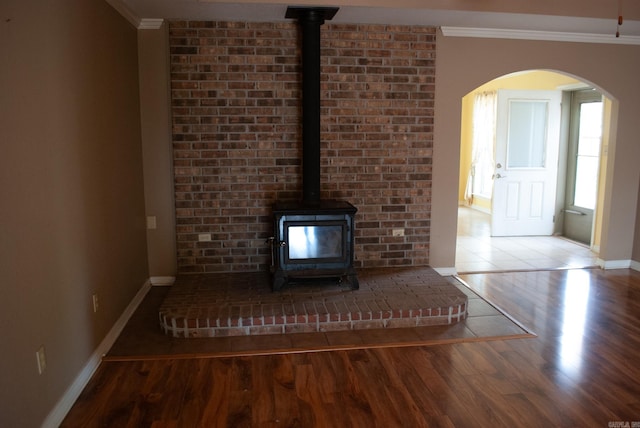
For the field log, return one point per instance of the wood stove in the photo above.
(313, 238)
(313, 242)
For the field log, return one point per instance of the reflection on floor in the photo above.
(477, 251)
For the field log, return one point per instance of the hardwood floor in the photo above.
(581, 371)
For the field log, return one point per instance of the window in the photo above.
(484, 124)
(587, 154)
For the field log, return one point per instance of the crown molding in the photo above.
(125, 11)
(556, 36)
(150, 24)
(140, 23)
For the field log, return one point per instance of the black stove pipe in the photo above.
(310, 19)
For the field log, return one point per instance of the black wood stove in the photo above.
(313, 238)
(313, 242)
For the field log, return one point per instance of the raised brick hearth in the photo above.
(236, 304)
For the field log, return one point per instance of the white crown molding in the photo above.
(125, 11)
(150, 24)
(556, 36)
(140, 23)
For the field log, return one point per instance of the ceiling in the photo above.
(480, 18)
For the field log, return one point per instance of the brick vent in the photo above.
(239, 304)
(236, 117)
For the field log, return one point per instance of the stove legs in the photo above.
(352, 280)
(279, 280)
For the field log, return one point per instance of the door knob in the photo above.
(499, 176)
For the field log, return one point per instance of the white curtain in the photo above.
(480, 177)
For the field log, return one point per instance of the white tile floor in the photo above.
(477, 251)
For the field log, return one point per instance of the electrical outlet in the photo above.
(397, 232)
(151, 222)
(204, 237)
(95, 303)
(42, 360)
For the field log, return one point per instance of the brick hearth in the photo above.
(236, 304)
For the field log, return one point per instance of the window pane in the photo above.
(586, 182)
(527, 134)
(590, 129)
(587, 161)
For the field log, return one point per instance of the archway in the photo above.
(464, 63)
(477, 247)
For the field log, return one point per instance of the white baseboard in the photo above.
(635, 265)
(162, 281)
(614, 264)
(60, 410)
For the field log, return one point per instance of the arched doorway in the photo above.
(478, 247)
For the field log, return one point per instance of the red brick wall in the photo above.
(237, 137)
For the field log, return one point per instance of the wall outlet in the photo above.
(151, 222)
(95, 303)
(42, 360)
(204, 237)
(397, 232)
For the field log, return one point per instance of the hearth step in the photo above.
(242, 304)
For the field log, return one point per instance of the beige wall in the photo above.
(155, 116)
(464, 63)
(72, 210)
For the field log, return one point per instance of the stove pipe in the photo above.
(310, 19)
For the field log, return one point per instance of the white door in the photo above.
(527, 141)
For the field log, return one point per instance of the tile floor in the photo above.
(477, 251)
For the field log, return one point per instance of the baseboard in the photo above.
(60, 410)
(635, 265)
(614, 264)
(162, 281)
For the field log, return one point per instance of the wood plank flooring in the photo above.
(581, 371)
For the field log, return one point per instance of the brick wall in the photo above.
(237, 137)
